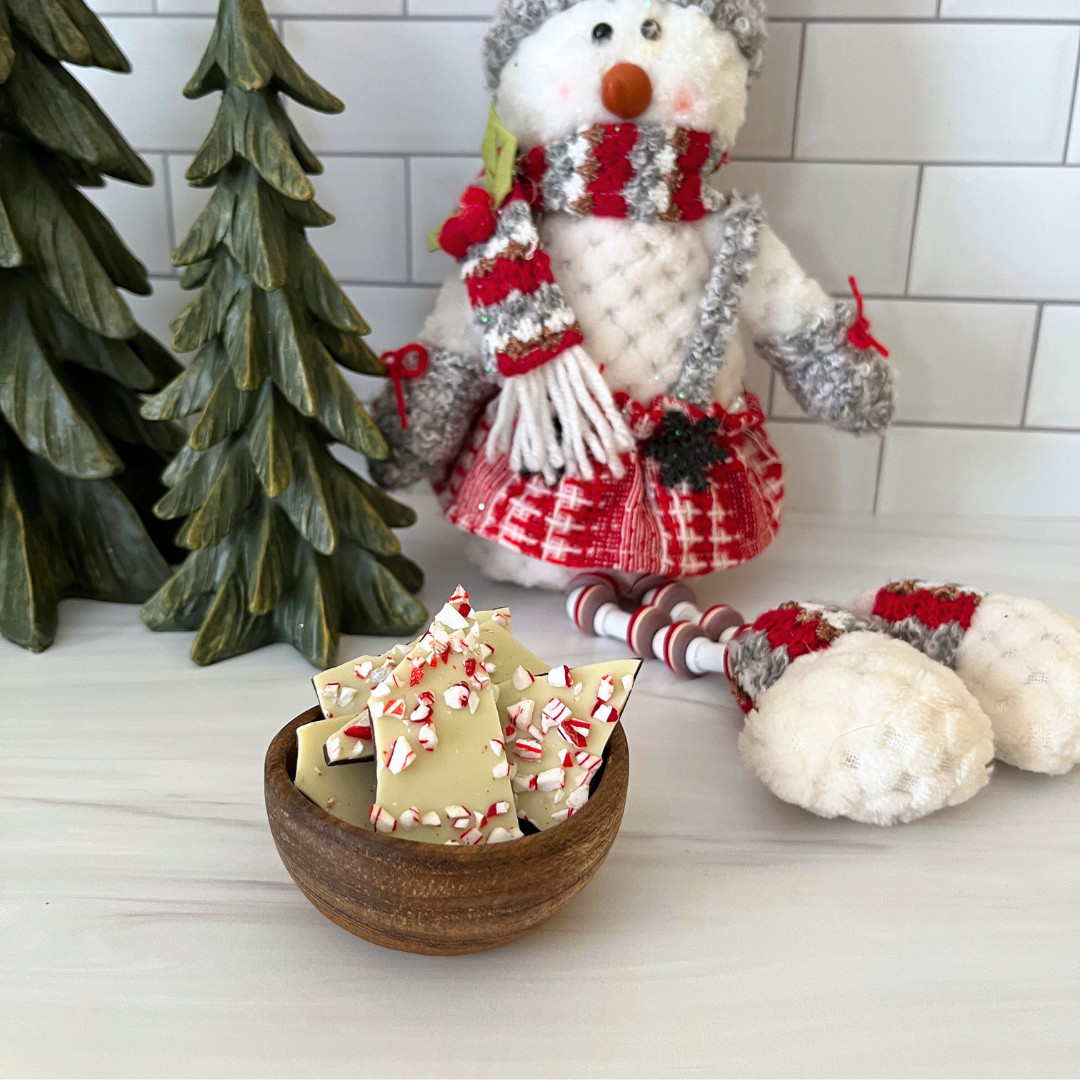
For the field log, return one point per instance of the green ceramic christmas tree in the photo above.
(286, 543)
(79, 466)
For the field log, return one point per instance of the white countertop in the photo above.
(148, 927)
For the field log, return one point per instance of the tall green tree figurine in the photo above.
(79, 466)
(286, 543)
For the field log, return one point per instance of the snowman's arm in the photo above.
(807, 339)
(441, 405)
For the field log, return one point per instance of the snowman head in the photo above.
(555, 66)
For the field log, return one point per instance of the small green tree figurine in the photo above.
(79, 466)
(286, 543)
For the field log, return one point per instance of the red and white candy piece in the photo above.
(501, 836)
(381, 819)
(522, 679)
(502, 770)
(460, 600)
(457, 696)
(402, 755)
(559, 676)
(472, 838)
(428, 738)
(551, 780)
(575, 731)
(553, 714)
(606, 714)
(529, 749)
(410, 818)
(521, 713)
(497, 747)
(497, 809)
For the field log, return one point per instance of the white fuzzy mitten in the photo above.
(1020, 658)
(844, 721)
(569, 389)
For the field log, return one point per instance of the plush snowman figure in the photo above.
(583, 402)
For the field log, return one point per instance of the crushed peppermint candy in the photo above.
(362, 671)
(501, 771)
(501, 836)
(606, 714)
(551, 780)
(402, 755)
(521, 678)
(606, 688)
(553, 714)
(521, 713)
(330, 691)
(383, 821)
(575, 732)
(496, 809)
(529, 749)
(628, 683)
(472, 838)
(498, 747)
(525, 783)
(566, 758)
(428, 738)
(431, 818)
(410, 818)
(451, 618)
(558, 676)
(457, 696)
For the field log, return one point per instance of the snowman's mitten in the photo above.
(830, 376)
(569, 390)
(843, 720)
(441, 407)
(1020, 658)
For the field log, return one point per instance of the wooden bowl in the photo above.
(428, 898)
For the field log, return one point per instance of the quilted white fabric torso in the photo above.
(636, 289)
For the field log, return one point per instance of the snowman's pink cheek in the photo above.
(684, 99)
(565, 92)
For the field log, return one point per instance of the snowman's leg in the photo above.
(822, 351)
(442, 405)
(503, 564)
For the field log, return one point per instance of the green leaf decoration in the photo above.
(205, 315)
(228, 627)
(28, 589)
(309, 616)
(53, 244)
(245, 51)
(189, 476)
(294, 354)
(187, 394)
(323, 295)
(499, 150)
(10, 253)
(248, 126)
(67, 30)
(373, 600)
(270, 442)
(340, 412)
(162, 365)
(7, 46)
(52, 107)
(285, 543)
(102, 539)
(36, 404)
(306, 500)
(227, 411)
(270, 555)
(405, 570)
(196, 577)
(244, 340)
(350, 350)
(228, 496)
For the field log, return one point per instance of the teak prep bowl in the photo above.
(428, 898)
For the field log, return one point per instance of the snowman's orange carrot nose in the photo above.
(627, 91)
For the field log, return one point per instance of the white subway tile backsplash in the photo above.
(1054, 400)
(770, 120)
(395, 315)
(295, 8)
(437, 184)
(966, 472)
(857, 9)
(121, 7)
(838, 220)
(369, 241)
(375, 67)
(452, 7)
(824, 470)
(955, 363)
(1008, 232)
(1073, 157)
(942, 92)
(149, 106)
(1010, 9)
(140, 215)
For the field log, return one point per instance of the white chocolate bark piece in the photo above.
(352, 741)
(346, 793)
(343, 690)
(556, 728)
(442, 770)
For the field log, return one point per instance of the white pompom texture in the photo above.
(1021, 659)
(869, 729)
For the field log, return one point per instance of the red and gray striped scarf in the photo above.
(639, 172)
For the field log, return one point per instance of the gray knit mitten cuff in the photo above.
(847, 387)
(441, 407)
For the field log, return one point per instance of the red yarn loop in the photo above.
(473, 223)
(408, 362)
(859, 335)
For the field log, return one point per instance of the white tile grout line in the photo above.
(944, 425)
(798, 88)
(1031, 364)
(1072, 107)
(409, 239)
(914, 230)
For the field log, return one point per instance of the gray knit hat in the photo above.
(515, 20)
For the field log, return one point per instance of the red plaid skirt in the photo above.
(636, 523)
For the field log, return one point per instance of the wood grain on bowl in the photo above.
(428, 898)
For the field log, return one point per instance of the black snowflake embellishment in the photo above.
(686, 450)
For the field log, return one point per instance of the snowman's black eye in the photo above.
(650, 30)
(602, 32)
